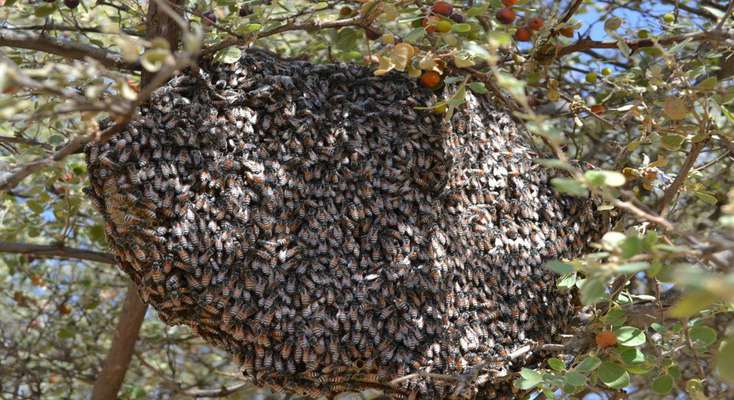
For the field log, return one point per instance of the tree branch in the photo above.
(66, 49)
(70, 28)
(289, 27)
(13, 179)
(587, 44)
(109, 380)
(160, 24)
(570, 11)
(697, 11)
(60, 251)
(674, 187)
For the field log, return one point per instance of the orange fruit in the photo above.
(36, 280)
(566, 31)
(606, 339)
(443, 8)
(536, 23)
(64, 309)
(430, 79)
(345, 11)
(523, 34)
(506, 16)
(597, 108)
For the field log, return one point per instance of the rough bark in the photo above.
(160, 24)
(116, 363)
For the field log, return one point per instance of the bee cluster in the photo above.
(311, 221)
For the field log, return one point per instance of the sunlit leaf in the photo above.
(588, 364)
(702, 336)
(629, 336)
(613, 375)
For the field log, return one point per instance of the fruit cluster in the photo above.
(507, 16)
(441, 18)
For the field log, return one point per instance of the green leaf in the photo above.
(612, 240)
(478, 87)
(459, 97)
(662, 385)
(672, 141)
(613, 375)
(575, 379)
(515, 86)
(629, 268)
(708, 83)
(728, 114)
(559, 267)
(703, 336)
(725, 360)
(615, 316)
(569, 186)
(498, 39)
(249, 28)
(552, 379)
(608, 178)
(694, 386)
(593, 291)
(629, 336)
(461, 28)
(553, 163)
(588, 364)
(153, 59)
(692, 303)
(567, 281)
(44, 10)
(631, 246)
(556, 364)
(415, 35)
(529, 379)
(230, 55)
(346, 38)
(706, 197)
(632, 356)
(476, 11)
(674, 371)
(65, 333)
(35, 206)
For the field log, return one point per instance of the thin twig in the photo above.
(68, 28)
(289, 27)
(586, 44)
(672, 190)
(13, 179)
(727, 13)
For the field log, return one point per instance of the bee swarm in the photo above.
(311, 221)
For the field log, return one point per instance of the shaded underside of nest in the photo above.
(310, 220)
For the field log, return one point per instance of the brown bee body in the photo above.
(330, 235)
